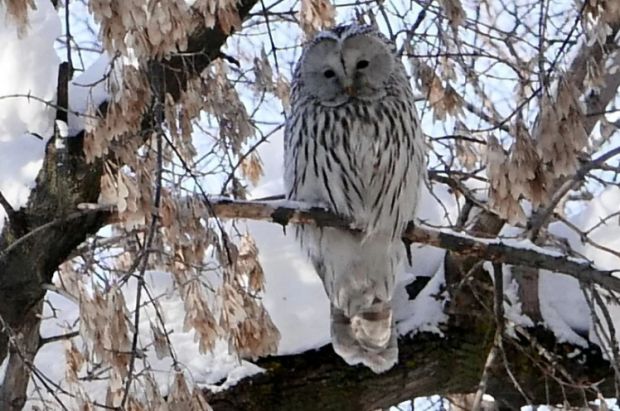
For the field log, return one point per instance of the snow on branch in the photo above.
(508, 251)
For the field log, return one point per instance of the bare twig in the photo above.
(144, 263)
(542, 216)
(482, 385)
(498, 308)
(55, 338)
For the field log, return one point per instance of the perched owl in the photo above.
(353, 144)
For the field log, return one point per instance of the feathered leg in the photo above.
(368, 337)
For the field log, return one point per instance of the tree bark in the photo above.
(23, 348)
(427, 365)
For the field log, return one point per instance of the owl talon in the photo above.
(355, 341)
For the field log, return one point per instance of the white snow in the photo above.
(28, 67)
(294, 296)
(425, 313)
(88, 90)
(565, 308)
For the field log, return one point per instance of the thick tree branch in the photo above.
(428, 364)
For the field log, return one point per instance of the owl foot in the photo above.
(378, 361)
(379, 354)
(374, 327)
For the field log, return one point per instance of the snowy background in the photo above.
(294, 295)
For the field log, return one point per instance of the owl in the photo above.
(353, 145)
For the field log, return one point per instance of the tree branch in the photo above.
(427, 365)
(513, 252)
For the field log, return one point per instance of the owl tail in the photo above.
(368, 337)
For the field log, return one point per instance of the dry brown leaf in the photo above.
(179, 396)
(445, 101)
(248, 265)
(256, 336)
(453, 11)
(17, 11)
(282, 91)
(151, 30)
(107, 194)
(223, 12)
(560, 130)
(74, 360)
(316, 15)
(160, 342)
(252, 168)
(199, 402)
(526, 172)
(153, 396)
(263, 74)
(501, 198)
(198, 316)
(232, 311)
(224, 103)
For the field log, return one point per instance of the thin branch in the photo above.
(145, 255)
(482, 385)
(542, 216)
(55, 338)
(69, 38)
(499, 331)
(52, 224)
(507, 251)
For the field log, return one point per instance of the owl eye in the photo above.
(362, 64)
(329, 73)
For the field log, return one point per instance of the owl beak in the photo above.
(350, 90)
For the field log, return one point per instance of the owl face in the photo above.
(342, 65)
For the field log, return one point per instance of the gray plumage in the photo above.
(353, 144)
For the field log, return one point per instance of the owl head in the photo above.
(347, 62)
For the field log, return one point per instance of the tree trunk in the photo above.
(23, 348)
